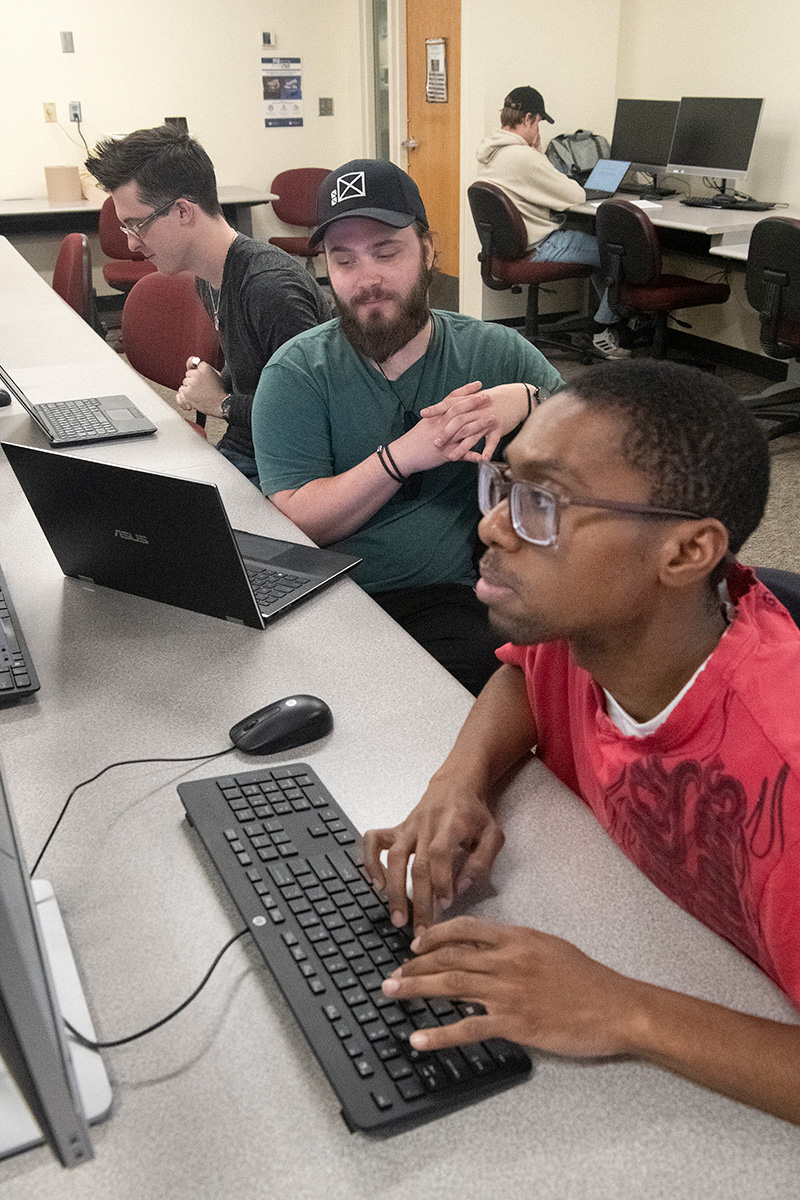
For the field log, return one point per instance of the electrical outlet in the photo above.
(75, 110)
(49, 110)
(326, 106)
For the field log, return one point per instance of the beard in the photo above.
(380, 337)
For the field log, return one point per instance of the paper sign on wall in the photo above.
(436, 75)
(282, 82)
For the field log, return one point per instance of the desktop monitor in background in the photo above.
(32, 1042)
(714, 136)
(643, 132)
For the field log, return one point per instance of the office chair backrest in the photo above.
(785, 585)
(163, 324)
(628, 243)
(772, 283)
(498, 221)
(72, 277)
(113, 241)
(297, 192)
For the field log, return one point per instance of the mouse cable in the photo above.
(90, 1045)
(125, 762)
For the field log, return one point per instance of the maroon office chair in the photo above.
(297, 205)
(72, 278)
(504, 256)
(630, 256)
(772, 284)
(127, 266)
(163, 324)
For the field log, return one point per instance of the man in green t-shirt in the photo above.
(354, 440)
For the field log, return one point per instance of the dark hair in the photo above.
(165, 164)
(690, 435)
(511, 116)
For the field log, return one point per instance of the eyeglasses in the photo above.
(536, 512)
(134, 230)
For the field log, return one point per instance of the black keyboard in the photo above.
(17, 675)
(737, 206)
(76, 419)
(291, 860)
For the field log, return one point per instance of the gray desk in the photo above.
(36, 214)
(716, 231)
(227, 1101)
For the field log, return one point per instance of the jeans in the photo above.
(243, 462)
(569, 245)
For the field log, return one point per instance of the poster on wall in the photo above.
(282, 82)
(436, 74)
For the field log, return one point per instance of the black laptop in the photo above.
(75, 422)
(165, 538)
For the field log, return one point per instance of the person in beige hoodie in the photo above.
(511, 157)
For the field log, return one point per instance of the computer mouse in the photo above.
(282, 725)
(4, 398)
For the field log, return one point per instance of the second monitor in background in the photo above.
(642, 135)
(714, 137)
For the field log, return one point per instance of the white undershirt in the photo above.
(630, 728)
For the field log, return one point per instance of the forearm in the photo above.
(498, 732)
(329, 509)
(745, 1057)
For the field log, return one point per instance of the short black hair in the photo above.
(165, 163)
(690, 435)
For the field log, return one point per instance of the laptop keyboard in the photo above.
(17, 674)
(291, 860)
(269, 585)
(76, 419)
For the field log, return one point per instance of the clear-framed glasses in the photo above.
(536, 512)
(135, 228)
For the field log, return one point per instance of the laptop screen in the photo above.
(607, 174)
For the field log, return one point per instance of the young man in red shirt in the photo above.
(660, 681)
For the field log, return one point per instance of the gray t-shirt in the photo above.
(266, 298)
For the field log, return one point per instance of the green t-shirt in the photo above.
(321, 409)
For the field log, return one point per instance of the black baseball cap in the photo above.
(368, 187)
(528, 100)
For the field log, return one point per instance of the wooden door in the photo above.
(435, 127)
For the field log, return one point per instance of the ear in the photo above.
(187, 210)
(691, 551)
(428, 249)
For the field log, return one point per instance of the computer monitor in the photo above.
(714, 136)
(643, 132)
(32, 1042)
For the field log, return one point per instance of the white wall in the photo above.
(569, 52)
(135, 65)
(670, 48)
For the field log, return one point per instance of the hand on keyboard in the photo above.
(526, 986)
(454, 840)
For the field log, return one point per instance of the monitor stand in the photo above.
(18, 1130)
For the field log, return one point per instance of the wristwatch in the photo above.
(225, 406)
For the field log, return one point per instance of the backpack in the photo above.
(575, 154)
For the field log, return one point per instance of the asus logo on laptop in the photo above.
(131, 537)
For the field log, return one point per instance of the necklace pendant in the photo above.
(216, 322)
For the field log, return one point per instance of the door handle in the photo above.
(410, 144)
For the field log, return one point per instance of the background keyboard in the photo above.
(737, 206)
(291, 860)
(17, 674)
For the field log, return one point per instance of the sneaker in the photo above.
(606, 343)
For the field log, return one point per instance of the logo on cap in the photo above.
(350, 186)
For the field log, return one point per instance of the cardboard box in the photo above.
(63, 183)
